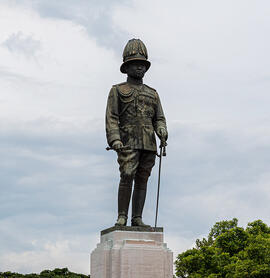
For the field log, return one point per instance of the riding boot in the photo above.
(124, 193)
(138, 200)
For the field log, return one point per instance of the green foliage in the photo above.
(228, 252)
(56, 273)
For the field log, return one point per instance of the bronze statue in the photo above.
(133, 116)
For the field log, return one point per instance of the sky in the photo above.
(58, 60)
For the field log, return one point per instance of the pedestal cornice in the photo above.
(132, 229)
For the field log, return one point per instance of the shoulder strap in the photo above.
(150, 87)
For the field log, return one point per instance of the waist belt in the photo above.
(136, 121)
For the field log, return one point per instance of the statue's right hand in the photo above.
(117, 145)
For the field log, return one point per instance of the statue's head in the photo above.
(134, 56)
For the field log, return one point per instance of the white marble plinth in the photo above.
(132, 254)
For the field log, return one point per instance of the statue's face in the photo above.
(136, 69)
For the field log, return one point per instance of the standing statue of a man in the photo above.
(133, 115)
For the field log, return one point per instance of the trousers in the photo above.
(134, 165)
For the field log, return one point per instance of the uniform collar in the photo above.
(136, 86)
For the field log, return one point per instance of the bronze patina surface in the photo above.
(133, 116)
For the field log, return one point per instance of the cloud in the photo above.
(208, 59)
(216, 174)
(95, 16)
(53, 184)
(52, 144)
(19, 43)
(48, 255)
(67, 71)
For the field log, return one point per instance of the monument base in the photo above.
(132, 252)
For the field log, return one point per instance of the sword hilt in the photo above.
(163, 145)
(164, 151)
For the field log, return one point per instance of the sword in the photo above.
(123, 148)
(162, 153)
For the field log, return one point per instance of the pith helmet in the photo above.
(134, 50)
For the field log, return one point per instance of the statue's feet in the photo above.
(137, 221)
(121, 221)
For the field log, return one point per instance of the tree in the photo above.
(228, 252)
(56, 273)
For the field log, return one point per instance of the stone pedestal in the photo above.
(132, 252)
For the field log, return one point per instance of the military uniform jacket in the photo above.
(133, 115)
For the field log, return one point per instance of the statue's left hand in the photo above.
(162, 133)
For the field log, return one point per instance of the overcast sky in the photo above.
(58, 60)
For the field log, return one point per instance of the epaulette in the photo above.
(119, 84)
(150, 87)
(124, 88)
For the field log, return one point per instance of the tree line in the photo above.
(56, 273)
